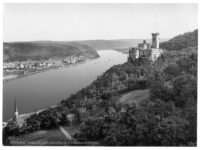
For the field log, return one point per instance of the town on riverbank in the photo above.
(17, 69)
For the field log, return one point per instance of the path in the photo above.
(65, 133)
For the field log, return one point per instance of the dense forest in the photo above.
(166, 116)
(188, 39)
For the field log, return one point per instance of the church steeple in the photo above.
(16, 113)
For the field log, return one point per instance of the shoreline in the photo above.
(46, 69)
(36, 111)
(25, 115)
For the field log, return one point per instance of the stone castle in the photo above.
(146, 52)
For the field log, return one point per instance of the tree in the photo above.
(172, 70)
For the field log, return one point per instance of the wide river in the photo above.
(45, 89)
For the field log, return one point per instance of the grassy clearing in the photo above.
(135, 97)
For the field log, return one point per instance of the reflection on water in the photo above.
(48, 88)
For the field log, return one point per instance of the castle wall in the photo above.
(144, 46)
(150, 54)
(155, 54)
(144, 53)
(137, 53)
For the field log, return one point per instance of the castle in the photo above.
(145, 51)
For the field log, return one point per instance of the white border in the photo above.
(85, 1)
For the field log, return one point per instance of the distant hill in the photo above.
(115, 44)
(109, 44)
(48, 49)
(44, 50)
(188, 39)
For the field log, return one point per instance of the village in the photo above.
(21, 68)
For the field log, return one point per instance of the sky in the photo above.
(68, 22)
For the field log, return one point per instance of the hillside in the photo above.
(44, 50)
(132, 104)
(50, 49)
(188, 39)
(109, 44)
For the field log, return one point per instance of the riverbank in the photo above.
(122, 50)
(14, 77)
(22, 117)
(50, 87)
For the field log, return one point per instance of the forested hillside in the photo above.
(188, 39)
(47, 49)
(166, 115)
(20, 51)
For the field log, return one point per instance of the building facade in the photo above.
(145, 51)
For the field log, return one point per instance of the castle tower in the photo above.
(155, 40)
(16, 113)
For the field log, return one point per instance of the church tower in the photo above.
(16, 113)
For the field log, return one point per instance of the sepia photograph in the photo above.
(100, 74)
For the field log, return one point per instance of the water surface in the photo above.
(48, 88)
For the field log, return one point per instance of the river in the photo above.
(45, 89)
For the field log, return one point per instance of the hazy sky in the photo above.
(30, 22)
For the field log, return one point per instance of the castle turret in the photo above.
(16, 113)
(155, 40)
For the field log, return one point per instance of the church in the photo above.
(16, 120)
(146, 52)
